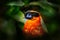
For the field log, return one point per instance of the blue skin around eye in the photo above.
(29, 15)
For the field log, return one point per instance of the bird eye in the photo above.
(28, 15)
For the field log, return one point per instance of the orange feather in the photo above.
(33, 27)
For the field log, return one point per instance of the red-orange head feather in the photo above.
(33, 27)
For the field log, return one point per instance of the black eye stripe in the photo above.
(35, 14)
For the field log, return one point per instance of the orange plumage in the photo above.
(33, 27)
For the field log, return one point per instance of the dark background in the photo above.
(19, 35)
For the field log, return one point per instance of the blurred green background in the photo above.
(11, 18)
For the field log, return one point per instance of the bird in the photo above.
(33, 25)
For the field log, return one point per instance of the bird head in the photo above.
(33, 24)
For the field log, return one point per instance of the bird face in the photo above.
(33, 26)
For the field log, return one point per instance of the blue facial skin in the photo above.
(28, 15)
